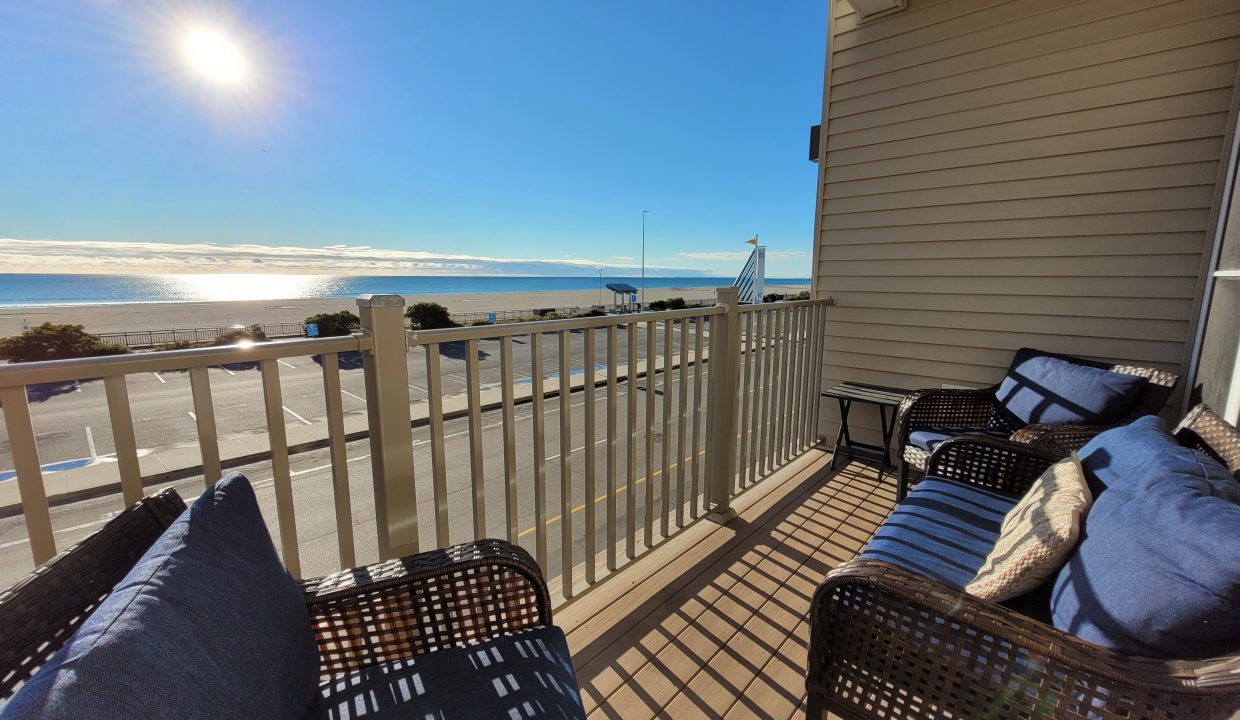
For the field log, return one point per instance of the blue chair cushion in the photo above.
(931, 437)
(208, 624)
(1156, 573)
(1044, 388)
(943, 530)
(527, 674)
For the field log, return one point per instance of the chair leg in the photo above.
(902, 479)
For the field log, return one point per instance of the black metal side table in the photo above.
(885, 399)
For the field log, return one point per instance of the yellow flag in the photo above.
(753, 241)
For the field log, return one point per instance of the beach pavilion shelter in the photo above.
(622, 293)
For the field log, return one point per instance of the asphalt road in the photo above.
(315, 508)
(73, 424)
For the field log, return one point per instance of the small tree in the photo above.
(56, 342)
(253, 333)
(658, 305)
(335, 324)
(676, 303)
(429, 316)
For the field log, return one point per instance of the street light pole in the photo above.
(600, 286)
(644, 256)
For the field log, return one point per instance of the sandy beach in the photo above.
(170, 316)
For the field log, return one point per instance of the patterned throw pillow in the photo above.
(1037, 535)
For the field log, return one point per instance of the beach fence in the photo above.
(155, 338)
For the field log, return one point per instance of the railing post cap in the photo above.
(380, 301)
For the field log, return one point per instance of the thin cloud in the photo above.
(84, 256)
(741, 255)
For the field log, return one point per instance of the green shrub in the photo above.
(594, 312)
(253, 333)
(429, 316)
(56, 342)
(658, 305)
(478, 323)
(176, 345)
(335, 324)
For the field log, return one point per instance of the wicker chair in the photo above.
(942, 407)
(425, 602)
(888, 643)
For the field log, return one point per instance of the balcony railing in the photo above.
(674, 413)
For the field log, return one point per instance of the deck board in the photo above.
(713, 623)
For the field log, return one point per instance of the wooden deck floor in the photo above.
(713, 623)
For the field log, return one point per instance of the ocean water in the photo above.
(22, 290)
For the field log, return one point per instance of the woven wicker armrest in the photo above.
(991, 463)
(43, 610)
(888, 643)
(1061, 439)
(942, 407)
(443, 598)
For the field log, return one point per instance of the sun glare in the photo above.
(215, 56)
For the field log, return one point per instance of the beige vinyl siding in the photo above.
(1012, 173)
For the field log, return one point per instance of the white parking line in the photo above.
(230, 372)
(577, 450)
(415, 387)
(290, 412)
(360, 399)
(157, 377)
(192, 416)
(458, 377)
(286, 364)
(90, 443)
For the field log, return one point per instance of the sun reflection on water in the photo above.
(245, 286)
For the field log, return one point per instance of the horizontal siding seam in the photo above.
(1125, 122)
(975, 88)
(905, 156)
(1080, 89)
(1007, 200)
(1098, 21)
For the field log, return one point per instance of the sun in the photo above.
(215, 56)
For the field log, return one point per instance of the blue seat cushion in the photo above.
(931, 437)
(1044, 388)
(943, 530)
(527, 674)
(1156, 573)
(208, 624)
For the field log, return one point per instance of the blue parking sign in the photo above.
(312, 329)
(633, 298)
(490, 318)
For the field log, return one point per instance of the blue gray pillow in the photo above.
(1043, 388)
(207, 625)
(1156, 573)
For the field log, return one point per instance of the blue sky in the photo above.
(404, 135)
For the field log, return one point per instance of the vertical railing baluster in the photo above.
(566, 467)
(25, 450)
(538, 376)
(612, 337)
(699, 367)
(591, 522)
(777, 321)
(797, 385)
(439, 468)
(281, 478)
(204, 419)
(339, 460)
(755, 419)
(818, 362)
(651, 361)
(789, 380)
(665, 484)
(477, 475)
(121, 418)
(630, 446)
(510, 438)
(745, 332)
(682, 402)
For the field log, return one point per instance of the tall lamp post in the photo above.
(644, 256)
(600, 286)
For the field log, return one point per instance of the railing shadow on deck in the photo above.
(745, 607)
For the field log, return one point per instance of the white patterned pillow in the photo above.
(1037, 535)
